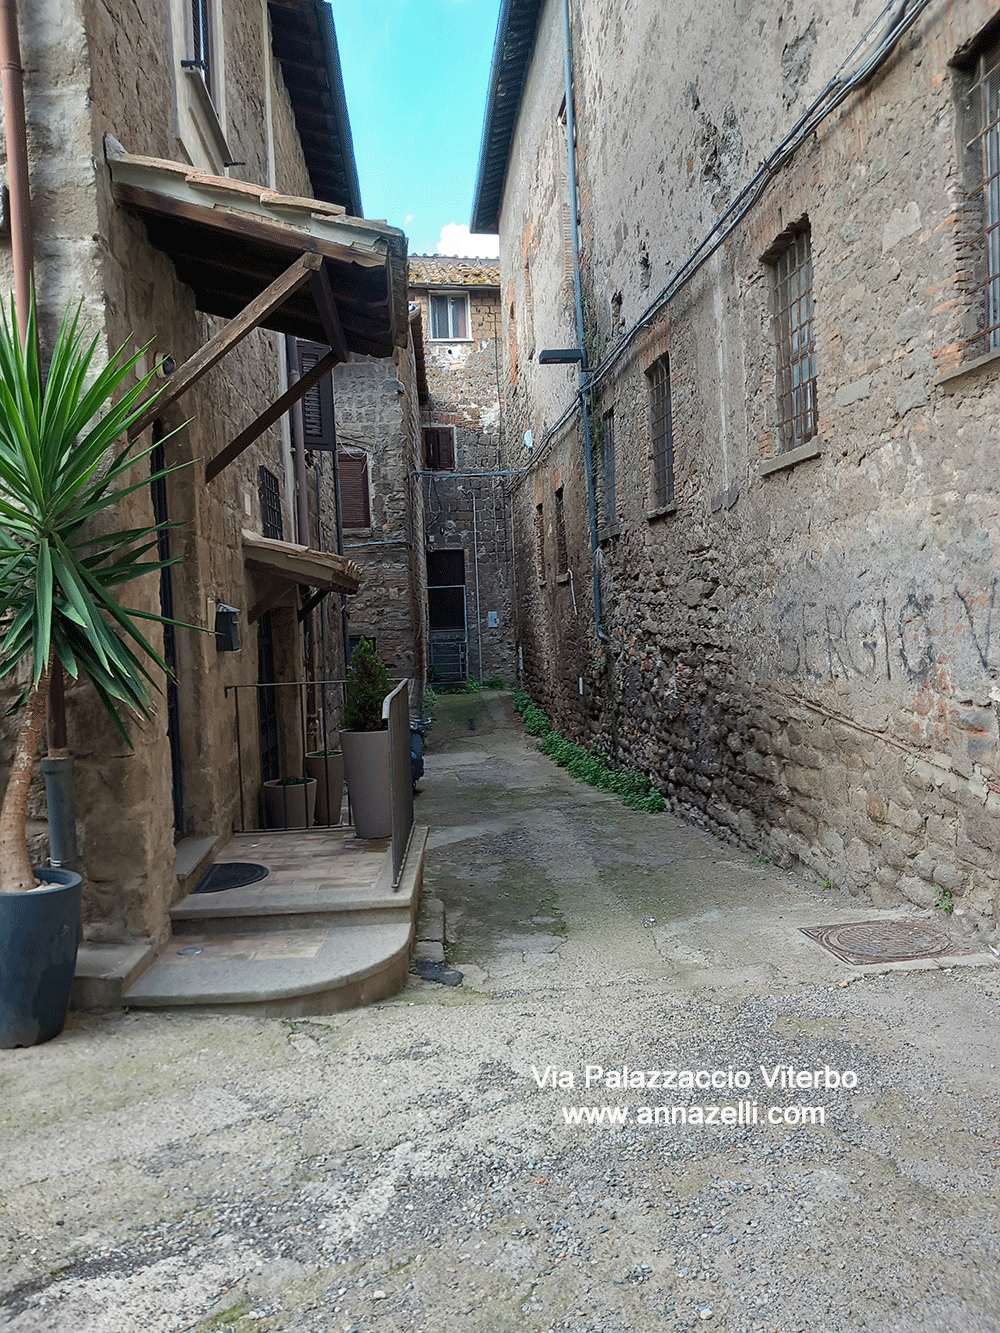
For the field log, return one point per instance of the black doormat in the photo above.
(447, 976)
(231, 875)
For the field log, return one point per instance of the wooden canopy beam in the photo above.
(326, 308)
(294, 277)
(267, 418)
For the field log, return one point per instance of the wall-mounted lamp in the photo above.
(165, 367)
(227, 628)
(561, 356)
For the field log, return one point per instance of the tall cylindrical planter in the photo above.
(39, 936)
(289, 804)
(369, 785)
(328, 770)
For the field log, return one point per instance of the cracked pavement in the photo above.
(401, 1167)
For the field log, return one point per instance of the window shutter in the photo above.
(439, 448)
(354, 501)
(317, 405)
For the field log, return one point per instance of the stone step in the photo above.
(194, 856)
(285, 973)
(104, 972)
(288, 951)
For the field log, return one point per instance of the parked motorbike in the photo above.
(418, 734)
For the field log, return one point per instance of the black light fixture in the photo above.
(227, 628)
(560, 356)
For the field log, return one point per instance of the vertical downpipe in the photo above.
(57, 765)
(584, 391)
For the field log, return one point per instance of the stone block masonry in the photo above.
(802, 642)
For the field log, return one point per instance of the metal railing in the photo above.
(396, 710)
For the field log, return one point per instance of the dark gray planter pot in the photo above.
(39, 936)
(290, 806)
(366, 763)
(328, 770)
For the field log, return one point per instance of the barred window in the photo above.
(562, 550)
(540, 543)
(982, 135)
(609, 496)
(201, 40)
(661, 435)
(794, 315)
(271, 520)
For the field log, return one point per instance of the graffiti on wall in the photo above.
(911, 634)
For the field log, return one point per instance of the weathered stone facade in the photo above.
(801, 644)
(466, 504)
(377, 421)
(97, 69)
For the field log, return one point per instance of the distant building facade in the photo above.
(466, 504)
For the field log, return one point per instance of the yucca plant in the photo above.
(62, 466)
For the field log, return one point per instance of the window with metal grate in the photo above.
(981, 98)
(609, 495)
(201, 40)
(271, 519)
(562, 549)
(794, 318)
(661, 438)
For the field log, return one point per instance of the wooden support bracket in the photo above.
(326, 308)
(267, 418)
(294, 277)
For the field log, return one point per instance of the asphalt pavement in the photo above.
(653, 1103)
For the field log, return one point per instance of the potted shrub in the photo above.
(327, 767)
(365, 743)
(60, 577)
(290, 802)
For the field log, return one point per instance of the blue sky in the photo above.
(416, 73)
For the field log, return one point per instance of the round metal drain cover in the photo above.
(863, 942)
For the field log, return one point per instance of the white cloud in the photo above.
(408, 219)
(456, 239)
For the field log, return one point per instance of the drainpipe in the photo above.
(57, 766)
(21, 236)
(584, 389)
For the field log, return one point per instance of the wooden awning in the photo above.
(265, 260)
(290, 565)
(229, 240)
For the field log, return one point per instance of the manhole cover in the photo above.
(231, 875)
(863, 942)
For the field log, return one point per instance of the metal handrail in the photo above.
(396, 711)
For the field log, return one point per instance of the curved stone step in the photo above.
(280, 972)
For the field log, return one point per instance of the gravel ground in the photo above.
(400, 1167)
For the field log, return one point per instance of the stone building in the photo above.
(193, 183)
(787, 251)
(468, 558)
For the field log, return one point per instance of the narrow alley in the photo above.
(414, 1165)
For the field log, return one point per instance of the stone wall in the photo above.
(801, 650)
(91, 69)
(376, 410)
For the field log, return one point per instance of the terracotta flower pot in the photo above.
(366, 762)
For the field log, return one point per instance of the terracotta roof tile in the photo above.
(453, 271)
